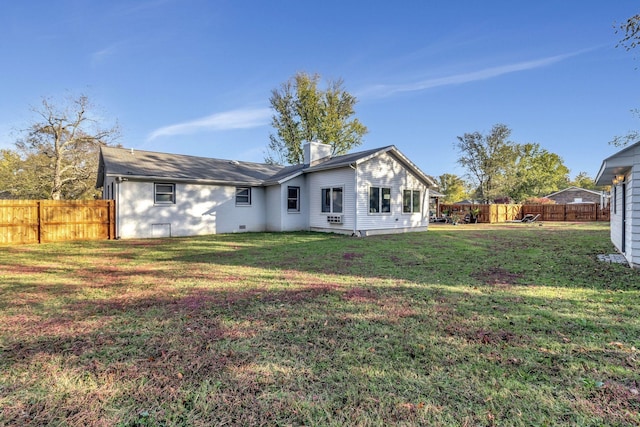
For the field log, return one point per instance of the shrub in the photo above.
(539, 201)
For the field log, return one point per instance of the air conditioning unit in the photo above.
(334, 219)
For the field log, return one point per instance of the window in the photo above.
(411, 201)
(332, 200)
(379, 200)
(293, 199)
(243, 195)
(164, 193)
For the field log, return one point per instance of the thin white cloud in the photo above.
(487, 73)
(98, 57)
(234, 119)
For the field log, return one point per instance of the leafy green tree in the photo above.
(24, 178)
(503, 169)
(10, 164)
(61, 148)
(583, 180)
(453, 187)
(489, 159)
(536, 173)
(303, 112)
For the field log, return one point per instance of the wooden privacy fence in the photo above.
(41, 221)
(570, 212)
(502, 213)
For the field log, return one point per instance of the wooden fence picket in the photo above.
(495, 213)
(41, 221)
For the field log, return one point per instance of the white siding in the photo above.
(273, 208)
(210, 209)
(616, 216)
(343, 177)
(633, 216)
(386, 171)
(199, 209)
(295, 221)
(279, 218)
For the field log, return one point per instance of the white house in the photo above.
(370, 192)
(621, 171)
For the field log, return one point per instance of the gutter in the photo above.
(187, 180)
(118, 180)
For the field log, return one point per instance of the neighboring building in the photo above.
(621, 171)
(572, 195)
(370, 192)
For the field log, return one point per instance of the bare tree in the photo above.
(631, 39)
(69, 138)
(631, 30)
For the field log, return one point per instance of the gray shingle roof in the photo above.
(152, 165)
(285, 173)
(346, 159)
(138, 163)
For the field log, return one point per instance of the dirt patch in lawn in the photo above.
(497, 276)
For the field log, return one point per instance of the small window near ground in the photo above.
(332, 200)
(164, 193)
(379, 200)
(243, 196)
(293, 199)
(411, 201)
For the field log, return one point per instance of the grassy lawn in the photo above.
(470, 325)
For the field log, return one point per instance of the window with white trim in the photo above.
(411, 201)
(332, 200)
(164, 193)
(293, 199)
(379, 200)
(243, 196)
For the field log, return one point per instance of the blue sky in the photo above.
(194, 76)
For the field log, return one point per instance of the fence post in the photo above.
(112, 219)
(39, 204)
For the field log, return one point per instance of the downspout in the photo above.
(424, 210)
(119, 180)
(355, 189)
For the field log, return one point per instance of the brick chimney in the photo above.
(316, 152)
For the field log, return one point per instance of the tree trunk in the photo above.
(56, 189)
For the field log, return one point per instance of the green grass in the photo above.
(510, 325)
